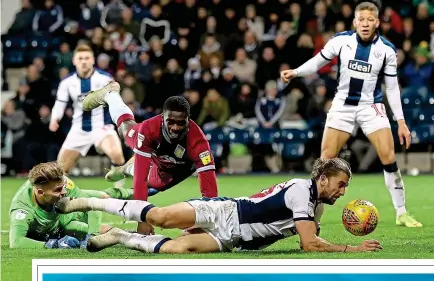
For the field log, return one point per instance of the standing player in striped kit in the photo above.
(365, 60)
(88, 128)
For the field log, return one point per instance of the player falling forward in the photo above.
(222, 224)
(365, 59)
(35, 224)
(88, 127)
(168, 148)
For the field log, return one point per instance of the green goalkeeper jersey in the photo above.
(31, 226)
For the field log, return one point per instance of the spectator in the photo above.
(50, 19)
(141, 10)
(129, 81)
(64, 58)
(90, 15)
(173, 77)
(143, 68)
(103, 63)
(269, 109)
(121, 38)
(154, 26)
(243, 68)
(215, 110)
(111, 16)
(419, 72)
(268, 68)
(193, 98)
(129, 24)
(23, 19)
(211, 47)
(193, 74)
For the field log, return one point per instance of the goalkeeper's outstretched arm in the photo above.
(20, 220)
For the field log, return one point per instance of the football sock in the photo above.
(393, 180)
(144, 243)
(120, 183)
(134, 210)
(119, 193)
(129, 169)
(118, 108)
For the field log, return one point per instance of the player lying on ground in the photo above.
(168, 148)
(365, 58)
(35, 224)
(222, 224)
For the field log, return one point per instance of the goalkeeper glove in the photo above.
(67, 242)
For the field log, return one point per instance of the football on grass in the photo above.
(360, 217)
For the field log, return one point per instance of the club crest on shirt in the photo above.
(205, 157)
(140, 139)
(179, 151)
(378, 55)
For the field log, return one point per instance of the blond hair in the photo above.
(45, 173)
(330, 167)
(367, 6)
(83, 48)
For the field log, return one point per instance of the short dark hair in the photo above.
(177, 103)
(330, 167)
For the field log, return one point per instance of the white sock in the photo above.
(145, 243)
(129, 169)
(396, 188)
(117, 107)
(129, 209)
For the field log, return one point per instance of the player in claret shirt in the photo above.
(168, 148)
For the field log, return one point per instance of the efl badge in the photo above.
(69, 184)
(179, 151)
(140, 139)
(205, 157)
(21, 214)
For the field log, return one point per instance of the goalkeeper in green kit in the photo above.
(35, 224)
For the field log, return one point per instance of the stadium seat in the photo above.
(13, 43)
(293, 151)
(295, 135)
(426, 115)
(265, 136)
(423, 133)
(13, 59)
(239, 136)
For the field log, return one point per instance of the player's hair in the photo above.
(330, 167)
(177, 103)
(368, 5)
(83, 48)
(45, 173)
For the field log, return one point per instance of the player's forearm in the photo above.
(58, 110)
(312, 65)
(208, 183)
(321, 245)
(140, 181)
(394, 96)
(17, 241)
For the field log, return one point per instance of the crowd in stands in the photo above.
(224, 56)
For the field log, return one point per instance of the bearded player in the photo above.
(365, 60)
(168, 148)
(290, 208)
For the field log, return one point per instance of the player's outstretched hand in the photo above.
(370, 246)
(404, 135)
(287, 75)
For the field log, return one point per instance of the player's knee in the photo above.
(328, 153)
(387, 156)
(174, 247)
(158, 217)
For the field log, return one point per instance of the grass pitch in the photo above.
(398, 242)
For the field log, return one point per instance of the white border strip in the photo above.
(149, 266)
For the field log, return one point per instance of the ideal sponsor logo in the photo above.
(359, 66)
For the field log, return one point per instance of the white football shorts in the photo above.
(370, 118)
(82, 141)
(218, 218)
